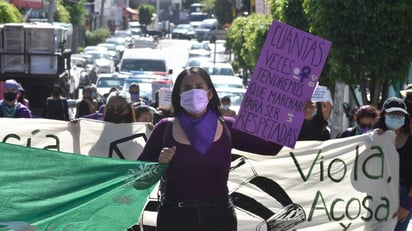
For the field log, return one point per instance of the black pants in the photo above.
(193, 216)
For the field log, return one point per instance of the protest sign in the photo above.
(87, 137)
(165, 98)
(284, 78)
(346, 184)
(321, 94)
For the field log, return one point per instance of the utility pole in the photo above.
(50, 12)
(101, 14)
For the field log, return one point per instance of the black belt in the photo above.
(221, 202)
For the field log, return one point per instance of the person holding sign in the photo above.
(197, 144)
(365, 117)
(394, 116)
(315, 122)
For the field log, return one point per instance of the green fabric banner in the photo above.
(63, 191)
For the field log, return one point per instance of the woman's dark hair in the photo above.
(365, 111)
(214, 103)
(381, 123)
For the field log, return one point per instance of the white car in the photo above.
(184, 31)
(103, 61)
(199, 49)
(236, 96)
(105, 82)
(219, 69)
(224, 81)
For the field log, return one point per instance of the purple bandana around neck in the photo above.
(201, 132)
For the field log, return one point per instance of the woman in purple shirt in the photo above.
(197, 145)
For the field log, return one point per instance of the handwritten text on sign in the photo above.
(284, 78)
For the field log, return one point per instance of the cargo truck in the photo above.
(37, 55)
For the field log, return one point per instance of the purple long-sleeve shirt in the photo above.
(192, 175)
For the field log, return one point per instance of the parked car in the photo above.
(199, 49)
(196, 61)
(236, 96)
(224, 81)
(184, 31)
(103, 61)
(91, 67)
(144, 60)
(225, 69)
(112, 50)
(80, 63)
(105, 82)
(120, 43)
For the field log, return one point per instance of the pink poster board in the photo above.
(284, 78)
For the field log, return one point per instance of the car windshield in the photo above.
(199, 46)
(235, 97)
(219, 71)
(110, 82)
(183, 26)
(142, 65)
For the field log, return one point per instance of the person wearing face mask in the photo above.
(56, 106)
(119, 108)
(225, 109)
(96, 95)
(365, 117)
(196, 143)
(10, 107)
(394, 116)
(315, 123)
(134, 91)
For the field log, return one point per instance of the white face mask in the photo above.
(225, 106)
(194, 101)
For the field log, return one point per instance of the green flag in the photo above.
(63, 191)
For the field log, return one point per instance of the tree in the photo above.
(290, 12)
(221, 9)
(371, 42)
(246, 37)
(77, 11)
(61, 14)
(146, 12)
(9, 13)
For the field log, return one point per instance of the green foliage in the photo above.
(77, 11)
(97, 36)
(246, 37)
(61, 14)
(146, 12)
(9, 13)
(371, 41)
(223, 11)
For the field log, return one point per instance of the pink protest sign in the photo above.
(284, 78)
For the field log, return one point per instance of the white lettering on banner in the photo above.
(340, 184)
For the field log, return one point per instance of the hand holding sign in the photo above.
(284, 78)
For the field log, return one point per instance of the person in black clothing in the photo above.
(87, 105)
(394, 116)
(315, 124)
(56, 106)
(365, 117)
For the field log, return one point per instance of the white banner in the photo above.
(340, 184)
(87, 137)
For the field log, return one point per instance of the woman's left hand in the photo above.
(166, 155)
(401, 214)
